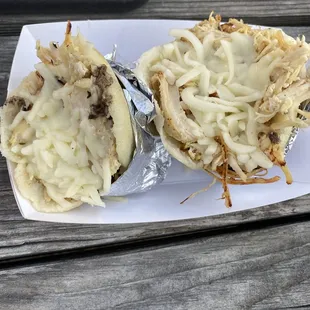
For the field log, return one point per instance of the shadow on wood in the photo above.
(42, 7)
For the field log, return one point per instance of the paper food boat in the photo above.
(133, 37)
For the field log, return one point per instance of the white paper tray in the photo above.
(133, 37)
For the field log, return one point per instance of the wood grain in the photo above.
(277, 12)
(7, 49)
(260, 269)
(20, 238)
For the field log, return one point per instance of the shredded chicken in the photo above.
(177, 125)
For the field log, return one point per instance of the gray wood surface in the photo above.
(234, 261)
(255, 269)
(276, 12)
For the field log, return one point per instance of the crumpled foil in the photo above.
(150, 161)
(306, 107)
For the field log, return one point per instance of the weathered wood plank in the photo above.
(23, 238)
(277, 12)
(7, 49)
(261, 269)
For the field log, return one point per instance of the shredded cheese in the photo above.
(233, 82)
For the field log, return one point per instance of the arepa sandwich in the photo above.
(228, 98)
(66, 128)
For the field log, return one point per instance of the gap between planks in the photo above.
(136, 245)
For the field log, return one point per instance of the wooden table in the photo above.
(256, 259)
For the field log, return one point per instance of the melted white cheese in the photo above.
(226, 67)
(64, 149)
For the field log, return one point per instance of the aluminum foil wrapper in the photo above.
(306, 107)
(150, 161)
